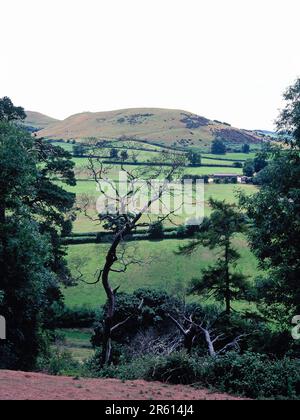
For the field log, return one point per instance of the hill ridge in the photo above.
(166, 126)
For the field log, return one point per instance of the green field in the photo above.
(226, 192)
(233, 156)
(151, 151)
(83, 173)
(77, 342)
(164, 270)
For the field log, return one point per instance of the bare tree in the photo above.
(125, 219)
(154, 343)
(206, 327)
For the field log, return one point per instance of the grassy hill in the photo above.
(163, 126)
(38, 121)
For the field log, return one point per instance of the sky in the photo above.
(229, 60)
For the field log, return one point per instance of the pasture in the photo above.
(226, 192)
(161, 270)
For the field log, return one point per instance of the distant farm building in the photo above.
(226, 176)
(230, 177)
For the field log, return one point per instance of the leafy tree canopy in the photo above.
(9, 112)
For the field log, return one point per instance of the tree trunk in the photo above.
(189, 339)
(111, 258)
(209, 342)
(227, 281)
(107, 346)
(108, 322)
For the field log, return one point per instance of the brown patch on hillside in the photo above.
(37, 386)
(38, 121)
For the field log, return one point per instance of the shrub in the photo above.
(246, 148)
(58, 362)
(218, 147)
(252, 375)
(156, 304)
(156, 231)
(79, 317)
(171, 235)
(137, 369)
(178, 368)
(181, 232)
(249, 375)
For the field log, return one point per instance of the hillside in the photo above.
(37, 386)
(38, 121)
(165, 126)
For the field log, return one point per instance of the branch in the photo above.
(233, 344)
(120, 324)
(180, 327)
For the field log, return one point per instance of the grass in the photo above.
(203, 170)
(166, 271)
(77, 342)
(163, 269)
(218, 191)
(233, 156)
(83, 173)
(205, 161)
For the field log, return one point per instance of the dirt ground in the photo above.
(36, 386)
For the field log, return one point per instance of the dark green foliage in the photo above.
(32, 214)
(248, 168)
(59, 362)
(289, 121)
(275, 233)
(52, 205)
(254, 166)
(156, 231)
(153, 314)
(114, 153)
(124, 155)
(9, 112)
(63, 317)
(194, 158)
(246, 148)
(252, 375)
(178, 368)
(260, 162)
(79, 150)
(217, 232)
(249, 375)
(26, 282)
(218, 147)
(275, 212)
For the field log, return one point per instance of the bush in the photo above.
(252, 375)
(80, 317)
(156, 231)
(218, 147)
(58, 362)
(156, 304)
(249, 375)
(83, 240)
(171, 235)
(246, 148)
(178, 368)
(137, 369)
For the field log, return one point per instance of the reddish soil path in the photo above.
(36, 386)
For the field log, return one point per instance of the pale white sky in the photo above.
(224, 59)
